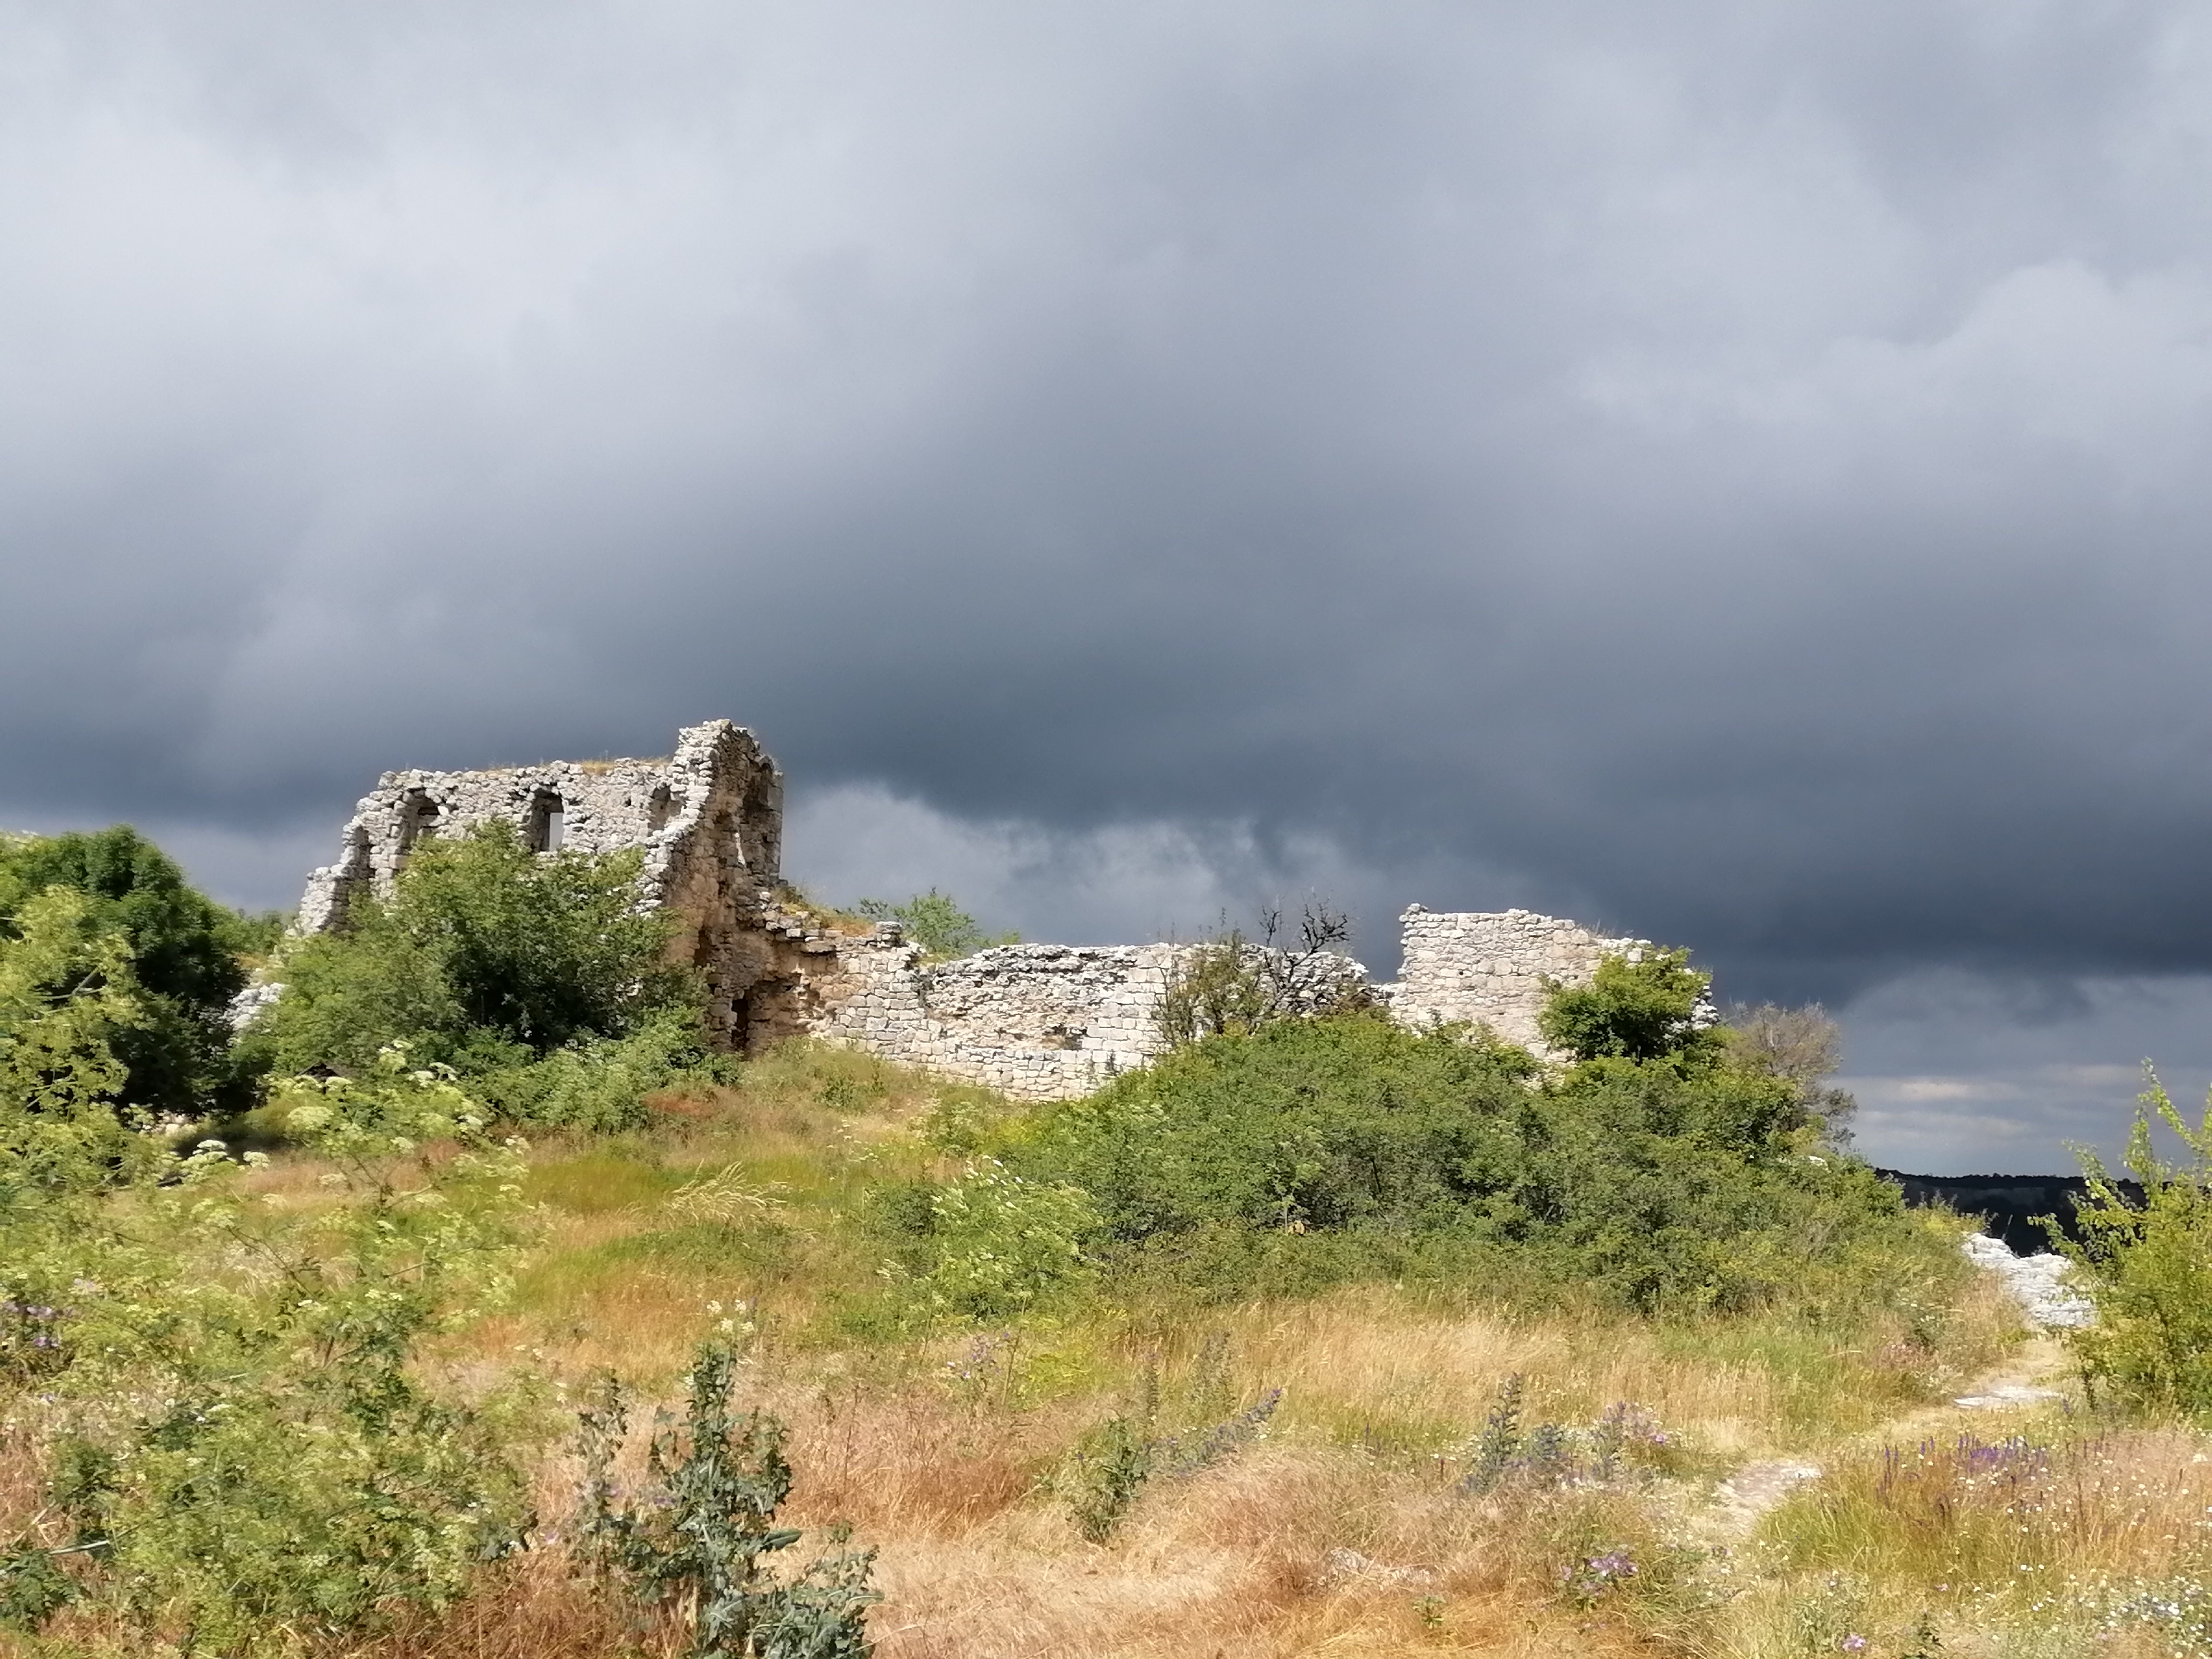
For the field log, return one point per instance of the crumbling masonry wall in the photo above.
(1036, 1022)
(1488, 968)
(708, 819)
(1049, 1022)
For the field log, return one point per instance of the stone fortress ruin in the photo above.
(1036, 1021)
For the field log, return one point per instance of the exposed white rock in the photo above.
(2007, 1393)
(2037, 1282)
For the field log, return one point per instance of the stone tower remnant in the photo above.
(708, 819)
(1036, 1021)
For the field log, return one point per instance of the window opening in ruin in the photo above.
(658, 810)
(546, 815)
(418, 820)
(760, 812)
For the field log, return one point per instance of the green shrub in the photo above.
(68, 996)
(1310, 1150)
(935, 922)
(185, 951)
(2148, 1268)
(536, 977)
(1321, 1124)
(693, 1542)
(601, 1084)
(1646, 1009)
(244, 1457)
(989, 1245)
(1232, 985)
(486, 954)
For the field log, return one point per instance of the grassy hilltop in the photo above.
(1319, 1337)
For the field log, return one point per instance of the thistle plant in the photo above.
(694, 1543)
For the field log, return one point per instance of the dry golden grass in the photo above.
(1339, 1534)
(1982, 1507)
(1373, 1354)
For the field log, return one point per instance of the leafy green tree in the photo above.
(936, 923)
(184, 951)
(486, 955)
(1641, 1010)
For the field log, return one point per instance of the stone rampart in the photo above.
(1036, 1022)
(1488, 968)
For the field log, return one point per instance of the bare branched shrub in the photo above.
(1804, 1047)
(1238, 983)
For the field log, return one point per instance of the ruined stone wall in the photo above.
(1489, 967)
(708, 819)
(1048, 1022)
(1037, 1022)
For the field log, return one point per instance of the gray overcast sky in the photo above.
(1733, 472)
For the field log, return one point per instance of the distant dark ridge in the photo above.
(2008, 1203)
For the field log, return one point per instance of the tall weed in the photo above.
(2148, 1268)
(693, 1543)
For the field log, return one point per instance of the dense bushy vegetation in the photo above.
(218, 1388)
(1312, 1294)
(185, 953)
(2149, 1267)
(537, 977)
(1233, 985)
(1658, 1172)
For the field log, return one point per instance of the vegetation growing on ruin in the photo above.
(535, 977)
(1234, 984)
(937, 924)
(1319, 1336)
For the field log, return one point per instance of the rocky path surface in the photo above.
(2038, 1282)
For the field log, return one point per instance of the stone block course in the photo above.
(1488, 968)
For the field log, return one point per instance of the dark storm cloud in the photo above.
(1738, 472)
